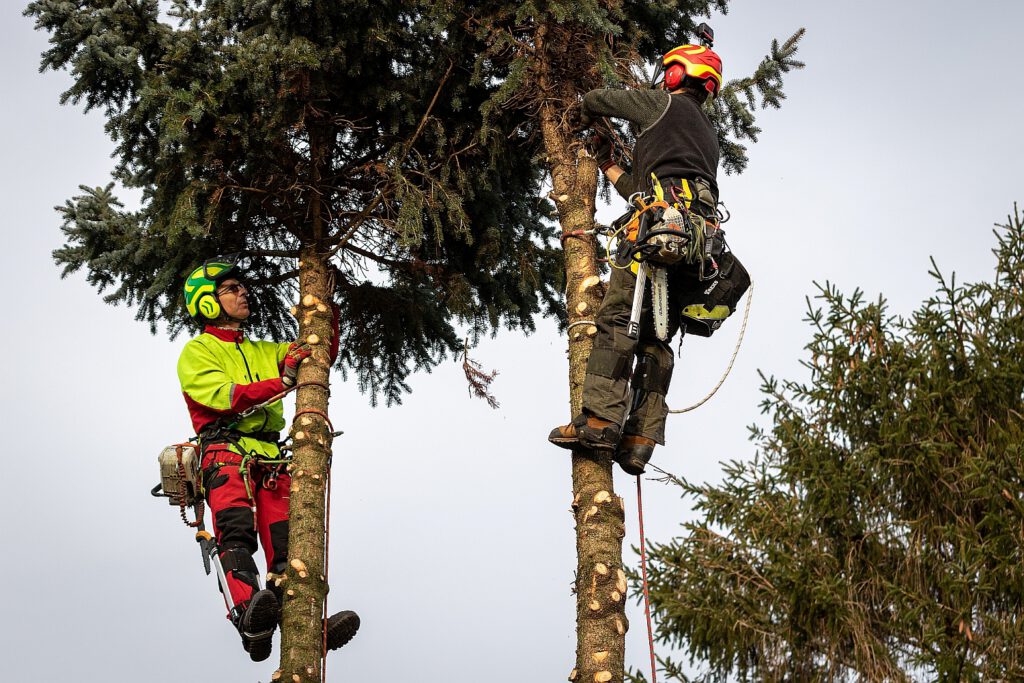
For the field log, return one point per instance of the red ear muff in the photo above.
(709, 85)
(674, 76)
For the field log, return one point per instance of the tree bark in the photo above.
(305, 584)
(600, 581)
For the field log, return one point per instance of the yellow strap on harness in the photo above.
(659, 191)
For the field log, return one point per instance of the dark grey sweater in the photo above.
(676, 138)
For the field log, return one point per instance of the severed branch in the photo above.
(479, 381)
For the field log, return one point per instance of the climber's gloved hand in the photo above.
(292, 359)
(600, 147)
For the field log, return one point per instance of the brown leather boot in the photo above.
(586, 431)
(634, 452)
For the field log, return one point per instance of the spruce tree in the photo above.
(546, 56)
(335, 148)
(878, 532)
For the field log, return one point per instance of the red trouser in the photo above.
(239, 520)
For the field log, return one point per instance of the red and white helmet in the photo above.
(697, 62)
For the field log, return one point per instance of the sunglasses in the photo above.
(234, 289)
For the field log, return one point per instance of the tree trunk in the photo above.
(600, 581)
(305, 585)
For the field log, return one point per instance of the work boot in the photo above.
(634, 452)
(341, 628)
(586, 431)
(256, 624)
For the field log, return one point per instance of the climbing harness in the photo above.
(657, 233)
(181, 478)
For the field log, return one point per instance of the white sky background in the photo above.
(451, 534)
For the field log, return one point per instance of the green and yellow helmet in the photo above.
(201, 288)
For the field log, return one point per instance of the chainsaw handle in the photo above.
(156, 493)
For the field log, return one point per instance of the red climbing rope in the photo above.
(315, 411)
(327, 556)
(643, 569)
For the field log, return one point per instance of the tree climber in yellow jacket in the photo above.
(246, 485)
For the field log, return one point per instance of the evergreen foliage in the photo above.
(603, 44)
(256, 127)
(877, 534)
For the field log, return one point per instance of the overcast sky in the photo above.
(451, 532)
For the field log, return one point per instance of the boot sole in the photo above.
(630, 468)
(263, 618)
(341, 628)
(568, 443)
(597, 446)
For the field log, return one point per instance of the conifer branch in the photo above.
(479, 381)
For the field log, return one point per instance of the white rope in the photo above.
(577, 323)
(743, 329)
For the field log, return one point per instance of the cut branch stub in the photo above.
(620, 581)
(588, 282)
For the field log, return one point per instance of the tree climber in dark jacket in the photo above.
(223, 374)
(676, 144)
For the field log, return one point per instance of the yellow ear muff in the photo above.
(208, 306)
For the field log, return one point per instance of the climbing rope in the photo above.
(277, 397)
(316, 411)
(327, 562)
(643, 568)
(579, 323)
(743, 329)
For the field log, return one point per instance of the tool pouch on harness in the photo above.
(179, 474)
(706, 303)
(654, 231)
(667, 233)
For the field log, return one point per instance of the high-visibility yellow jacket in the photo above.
(223, 374)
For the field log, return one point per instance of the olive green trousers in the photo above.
(627, 379)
